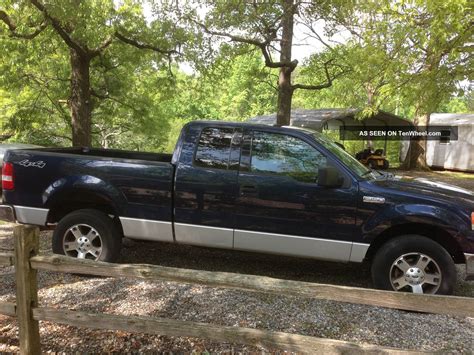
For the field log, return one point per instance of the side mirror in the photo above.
(330, 177)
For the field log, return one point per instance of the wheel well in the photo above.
(437, 234)
(78, 200)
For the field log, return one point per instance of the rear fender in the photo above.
(64, 189)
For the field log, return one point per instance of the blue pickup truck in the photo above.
(250, 187)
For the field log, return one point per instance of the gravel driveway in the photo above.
(327, 319)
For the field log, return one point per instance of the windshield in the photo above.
(352, 163)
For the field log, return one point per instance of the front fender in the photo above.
(73, 186)
(398, 214)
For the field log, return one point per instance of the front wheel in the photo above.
(413, 263)
(87, 234)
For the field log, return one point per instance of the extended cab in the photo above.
(240, 186)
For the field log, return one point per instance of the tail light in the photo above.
(7, 176)
(472, 221)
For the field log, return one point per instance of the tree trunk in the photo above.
(285, 90)
(416, 155)
(80, 100)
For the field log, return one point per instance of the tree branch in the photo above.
(328, 83)
(96, 51)
(12, 27)
(108, 97)
(141, 45)
(262, 45)
(60, 30)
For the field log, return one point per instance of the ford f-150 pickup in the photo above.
(277, 190)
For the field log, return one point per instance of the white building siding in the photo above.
(457, 154)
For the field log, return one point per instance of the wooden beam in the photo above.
(459, 306)
(7, 259)
(8, 309)
(171, 327)
(26, 245)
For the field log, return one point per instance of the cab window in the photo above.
(213, 149)
(280, 154)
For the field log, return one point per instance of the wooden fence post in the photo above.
(26, 246)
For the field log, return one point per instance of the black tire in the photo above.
(413, 249)
(386, 164)
(372, 164)
(105, 240)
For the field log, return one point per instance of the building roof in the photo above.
(333, 118)
(452, 119)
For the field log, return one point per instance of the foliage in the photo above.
(406, 57)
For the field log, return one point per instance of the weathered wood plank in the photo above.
(7, 259)
(26, 245)
(8, 309)
(460, 306)
(171, 327)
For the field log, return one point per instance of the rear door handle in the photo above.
(248, 189)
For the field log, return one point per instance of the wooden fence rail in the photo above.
(171, 327)
(27, 262)
(460, 306)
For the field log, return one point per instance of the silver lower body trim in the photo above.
(215, 237)
(323, 249)
(358, 252)
(31, 215)
(145, 229)
(469, 266)
(228, 238)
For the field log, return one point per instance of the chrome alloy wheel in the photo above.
(83, 242)
(415, 272)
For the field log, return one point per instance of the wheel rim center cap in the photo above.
(83, 244)
(414, 276)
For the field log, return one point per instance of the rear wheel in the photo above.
(413, 263)
(386, 164)
(372, 163)
(87, 234)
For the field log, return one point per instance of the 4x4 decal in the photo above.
(35, 164)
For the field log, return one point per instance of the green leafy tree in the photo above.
(418, 52)
(91, 36)
(269, 27)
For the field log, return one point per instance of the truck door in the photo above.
(206, 186)
(281, 209)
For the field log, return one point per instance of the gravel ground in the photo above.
(356, 323)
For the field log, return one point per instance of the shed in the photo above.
(447, 153)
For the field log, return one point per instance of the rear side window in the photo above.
(280, 154)
(213, 149)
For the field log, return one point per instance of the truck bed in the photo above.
(137, 184)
